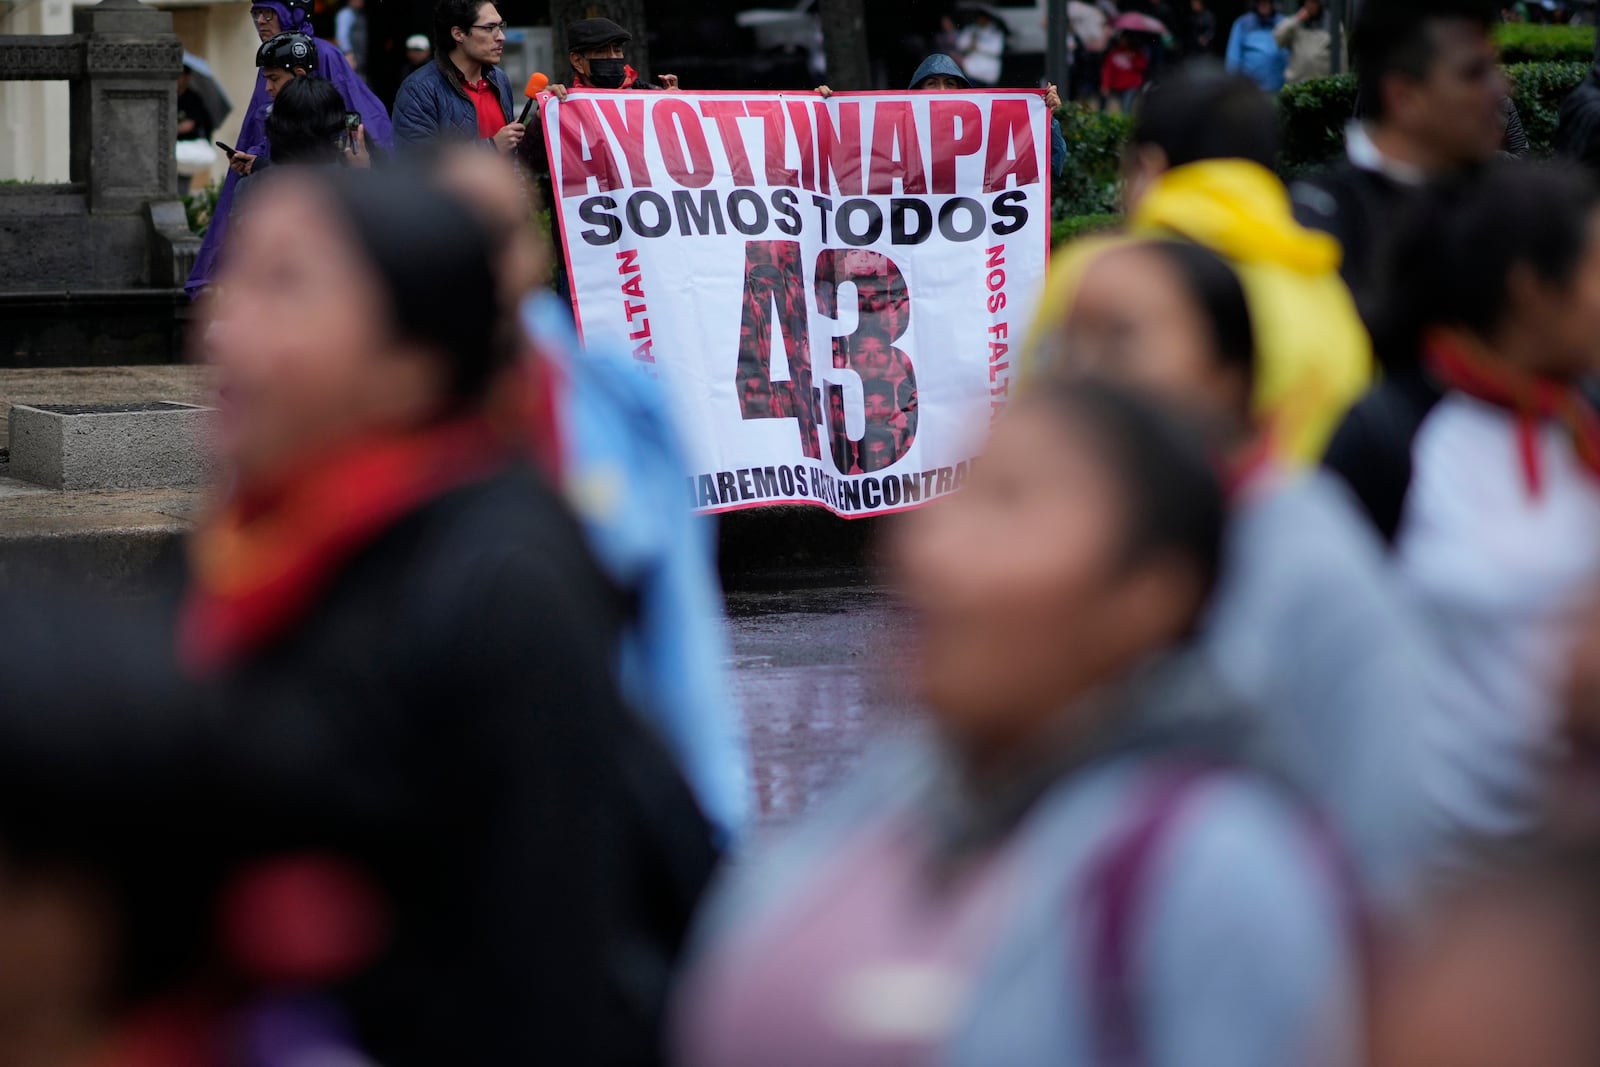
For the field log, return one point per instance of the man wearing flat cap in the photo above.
(595, 50)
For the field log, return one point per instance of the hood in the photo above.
(287, 22)
(939, 63)
(1239, 209)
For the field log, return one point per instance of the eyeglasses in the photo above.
(492, 28)
(263, 15)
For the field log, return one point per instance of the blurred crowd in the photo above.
(1260, 657)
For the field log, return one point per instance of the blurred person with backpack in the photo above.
(1043, 874)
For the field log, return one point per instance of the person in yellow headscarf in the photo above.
(1199, 168)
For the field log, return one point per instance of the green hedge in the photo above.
(1540, 88)
(1094, 167)
(1527, 43)
(1075, 226)
(1314, 116)
(1315, 113)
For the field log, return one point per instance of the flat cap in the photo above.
(595, 33)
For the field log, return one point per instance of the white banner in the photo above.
(830, 291)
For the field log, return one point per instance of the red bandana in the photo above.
(1461, 364)
(260, 563)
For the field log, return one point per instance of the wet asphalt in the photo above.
(816, 674)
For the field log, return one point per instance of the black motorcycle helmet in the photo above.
(289, 51)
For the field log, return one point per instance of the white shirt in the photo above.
(1502, 574)
(1365, 154)
(981, 48)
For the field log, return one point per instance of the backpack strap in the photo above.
(1118, 897)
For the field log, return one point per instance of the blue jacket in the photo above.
(1253, 52)
(624, 472)
(430, 107)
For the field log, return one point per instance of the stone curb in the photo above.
(118, 559)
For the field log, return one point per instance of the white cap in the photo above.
(417, 42)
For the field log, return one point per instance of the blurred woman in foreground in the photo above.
(398, 650)
(1072, 868)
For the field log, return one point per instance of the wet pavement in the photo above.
(817, 677)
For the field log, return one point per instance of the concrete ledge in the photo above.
(99, 327)
(112, 560)
(109, 541)
(111, 446)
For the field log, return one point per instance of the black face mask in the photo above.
(607, 73)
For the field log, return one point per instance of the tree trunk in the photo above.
(844, 38)
(627, 13)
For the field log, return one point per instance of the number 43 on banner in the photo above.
(775, 285)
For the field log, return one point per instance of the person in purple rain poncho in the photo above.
(273, 17)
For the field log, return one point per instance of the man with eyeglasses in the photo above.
(463, 95)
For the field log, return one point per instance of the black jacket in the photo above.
(1367, 212)
(445, 719)
(1371, 449)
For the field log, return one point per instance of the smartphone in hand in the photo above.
(347, 136)
(227, 150)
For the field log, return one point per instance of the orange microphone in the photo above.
(536, 83)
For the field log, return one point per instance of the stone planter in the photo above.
(112, 446)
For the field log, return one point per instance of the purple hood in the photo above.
(253, 131)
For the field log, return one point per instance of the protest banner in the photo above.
(830, 291)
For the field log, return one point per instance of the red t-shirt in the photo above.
(486, 101)
(1124, 69)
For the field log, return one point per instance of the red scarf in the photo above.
(1459, 363)
(1245, 471)
(261, 562)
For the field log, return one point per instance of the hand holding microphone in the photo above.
(536, 83)
(511, 134)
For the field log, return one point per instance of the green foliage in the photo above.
(1527, 43)
(199, 205)
(1068, 229)
(1539, 89)
(1314, 115)
(1094, 161)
